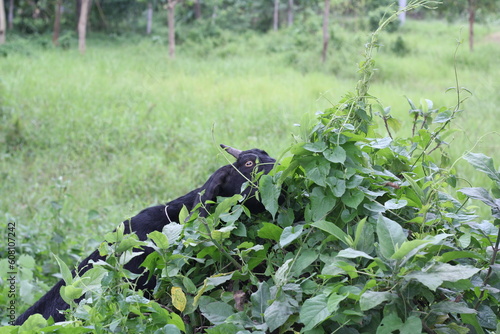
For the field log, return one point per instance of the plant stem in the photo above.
(219, 246)
(490, 268)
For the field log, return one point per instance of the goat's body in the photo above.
(226, 181)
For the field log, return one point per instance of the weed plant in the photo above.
(89, 140)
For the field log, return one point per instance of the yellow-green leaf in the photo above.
(178, 298)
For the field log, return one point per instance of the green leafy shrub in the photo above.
(399, 47)
(364, 233)
(378, 15)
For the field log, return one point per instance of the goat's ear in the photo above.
(211, 189)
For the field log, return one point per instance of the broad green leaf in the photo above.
(26, 261)
(353, 198)
(160, 239)
(484, 196)
(354, 181)
(316, 147)
(332, 229)
(487, 317)
(394, 204)
(338, 186)
(65, 272)
(321, 203)
(350, 253)
(129, 242)
(480, 194)
(374, 207)
(407, 247)
(419, 192)
(33, 323)
(233, 215)
(314, 311)
(270, 193)
(446, 307)
(178, 298)
(281, 276)
(226, 205)
(335, 155)
(370, 299)
(183, 214)
(259, 300)
(218, 279)
(305, 259)
(317, 170)
(290, 233)
(380, 143)
(334, 301)
(216, 312)
(168, 329)
(173, 232)
(410, 248)
(394, 124)
(483, 164)
(188, 285)
(93, 278)
(450, 256)
(242, 320)
(69, 293)
(390, 236)
(413, 325)
(277, 314)
(472, 319)
(390, 324)
(440, 272)
(222, 233)
(443, 116)
(270, 231)
(136, 299)
(359, 231)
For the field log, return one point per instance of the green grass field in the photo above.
(88, 141)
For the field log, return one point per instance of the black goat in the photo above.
(225, 182)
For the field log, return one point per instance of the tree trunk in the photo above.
(326, 30)
(402, 15)
(78, 9)
(149, 17)
(276, 14)
(290, 13)
(101, 14)
(2, 22)
(171, 27)
(82, 25)
(472, 18)
(197, 9)
(57, 23)
(11, 15)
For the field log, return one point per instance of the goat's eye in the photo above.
(249, 163)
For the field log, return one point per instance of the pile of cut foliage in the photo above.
(365, 233)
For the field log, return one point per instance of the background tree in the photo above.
(472, 18)
(82, 24)
(289, 11)
(326, 30)
(171, 27)
(402, 15)
(10, 19)
(57, 22)
(276, 14)
(149, 18)
(2, 22)
(197, 9)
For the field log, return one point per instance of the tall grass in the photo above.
(87, 141)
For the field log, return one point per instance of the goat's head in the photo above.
(228, 180)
